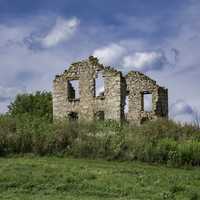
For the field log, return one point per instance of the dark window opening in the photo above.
(144, 120)
(99, 85)
(73, 90)
(73, 116)
(147, 104)
(99, 115)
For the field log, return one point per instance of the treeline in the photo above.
(28, 128)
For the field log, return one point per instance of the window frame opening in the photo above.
(126, 105)
(99, 85)
(73, 116)
(147, 101)
(73, 90)
(99, 115)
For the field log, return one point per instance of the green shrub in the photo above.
(159, 141)
(38, 104)
(189, 152)
(7, 132)
(165, 149)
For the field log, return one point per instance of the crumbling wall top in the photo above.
(140, 76)
(91, 64)
(111, 71)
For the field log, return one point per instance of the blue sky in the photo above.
(160, 38)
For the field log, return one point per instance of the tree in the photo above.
(38, 104)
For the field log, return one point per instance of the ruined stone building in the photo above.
(76, 97)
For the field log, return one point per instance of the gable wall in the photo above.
(134, 84)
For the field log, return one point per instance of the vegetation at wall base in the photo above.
(160, 141)
(28, 128)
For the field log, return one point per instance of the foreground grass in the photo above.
(60, 178)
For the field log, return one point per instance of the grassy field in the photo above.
(52, 178)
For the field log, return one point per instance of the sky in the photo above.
(160, 38)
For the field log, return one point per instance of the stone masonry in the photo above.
(119, 90)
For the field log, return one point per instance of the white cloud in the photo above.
(125, 55)
(182, 111)
(11, 36)
(183, 80)
(180, 107)
(62, 31)
(110, 54)
(21, 67)
(8, 93)
(4, 106)
(144, 60)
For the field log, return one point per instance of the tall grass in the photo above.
(161, 141)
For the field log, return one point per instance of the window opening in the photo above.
(147, 102)
(99, 85)
(100, 115)
(73, 116)
(73, 89)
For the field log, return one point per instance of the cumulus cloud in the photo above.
(182, 111)
(144, 61)
(21, 67)
(110, 54)
(12, 36)
(62, 31)
(183, 81)
(3, 106)
(9, 93)
(126, 57)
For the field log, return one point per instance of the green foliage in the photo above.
(160, 141)
(38, 104)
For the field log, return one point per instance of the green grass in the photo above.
(53, 178)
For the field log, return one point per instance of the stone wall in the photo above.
(111, 103)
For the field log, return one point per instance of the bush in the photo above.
(38, 105)
(160, 141)
(7, 132)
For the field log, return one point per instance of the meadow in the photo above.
(53, 178)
